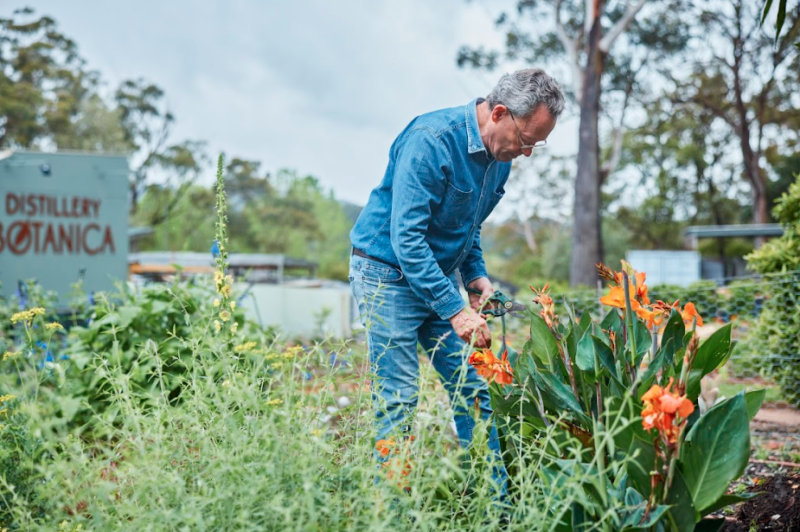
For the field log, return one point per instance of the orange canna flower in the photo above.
(385, 447)
(616, 298)
(548, 312)
(492, 368)
(638, 289)
(394, 465)
(653, 317)
(689, 312)
(662, 408)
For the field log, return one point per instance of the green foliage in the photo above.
(775, 343)
(782, 254)
(20, 451)
(604, 386)
(285, 213)
(142, 333)
(42, 80)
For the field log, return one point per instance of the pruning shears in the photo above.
(499, 304)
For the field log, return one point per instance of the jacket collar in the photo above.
(474, 141)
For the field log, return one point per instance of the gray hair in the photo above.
(524, 90)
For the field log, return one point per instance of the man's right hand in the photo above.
(470, 326)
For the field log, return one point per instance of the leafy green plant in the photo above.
(625, 390)
(775, 338)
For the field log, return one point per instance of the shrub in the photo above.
(143, 332)
(775, 339)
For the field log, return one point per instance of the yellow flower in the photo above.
(274, 402)
(225, 291)
(247, 346)
(226, 383)
(217, 326)
(234, 327)
(225, 315)
(293, 351)
(318, 432)
(27, 315)
(7, 397)
(55, 326)
(275, 365)
(271, 356)
(218, 276)
(233, 305)
(216, 302)
(9, 354)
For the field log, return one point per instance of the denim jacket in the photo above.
(425, 216)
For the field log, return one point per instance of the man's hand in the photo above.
(471, 327)
(485, 286)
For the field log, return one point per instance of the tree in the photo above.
(584, 34)
(42, 80)
(682, 173)
(96, 127)
(747, 84)
(148, 123)
(48, 99)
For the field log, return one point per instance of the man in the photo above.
(445, 175)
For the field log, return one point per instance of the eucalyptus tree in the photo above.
(749, 82)
(610, 49)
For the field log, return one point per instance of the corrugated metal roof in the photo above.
(732, 231)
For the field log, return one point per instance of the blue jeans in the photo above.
(396, 320)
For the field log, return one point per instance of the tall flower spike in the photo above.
(548, 312)
(606, 273)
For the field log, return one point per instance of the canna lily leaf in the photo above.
(606, 358)
(727, 500)
(585, 357)
(716, 451)
(543, 343)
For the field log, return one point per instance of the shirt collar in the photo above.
(474, 141)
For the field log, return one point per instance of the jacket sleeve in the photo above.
(420, 181)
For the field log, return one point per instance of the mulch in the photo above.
(777, 509)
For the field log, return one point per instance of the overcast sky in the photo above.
(321, 87)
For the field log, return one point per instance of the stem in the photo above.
(629, 322)
(601, 461)
(599, 388)
(570, 372)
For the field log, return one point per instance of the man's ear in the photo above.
(498, 112)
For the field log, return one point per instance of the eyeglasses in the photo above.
(522, 145)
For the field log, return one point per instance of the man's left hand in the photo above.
(487, 290)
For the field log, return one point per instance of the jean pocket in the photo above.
(457, 207)
(377, 273)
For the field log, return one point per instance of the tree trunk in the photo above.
(758, 185)
(587, 248)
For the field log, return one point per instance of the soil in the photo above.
(775, 435)
(778, 509)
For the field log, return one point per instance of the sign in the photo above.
(37, 236)
(62, 214)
